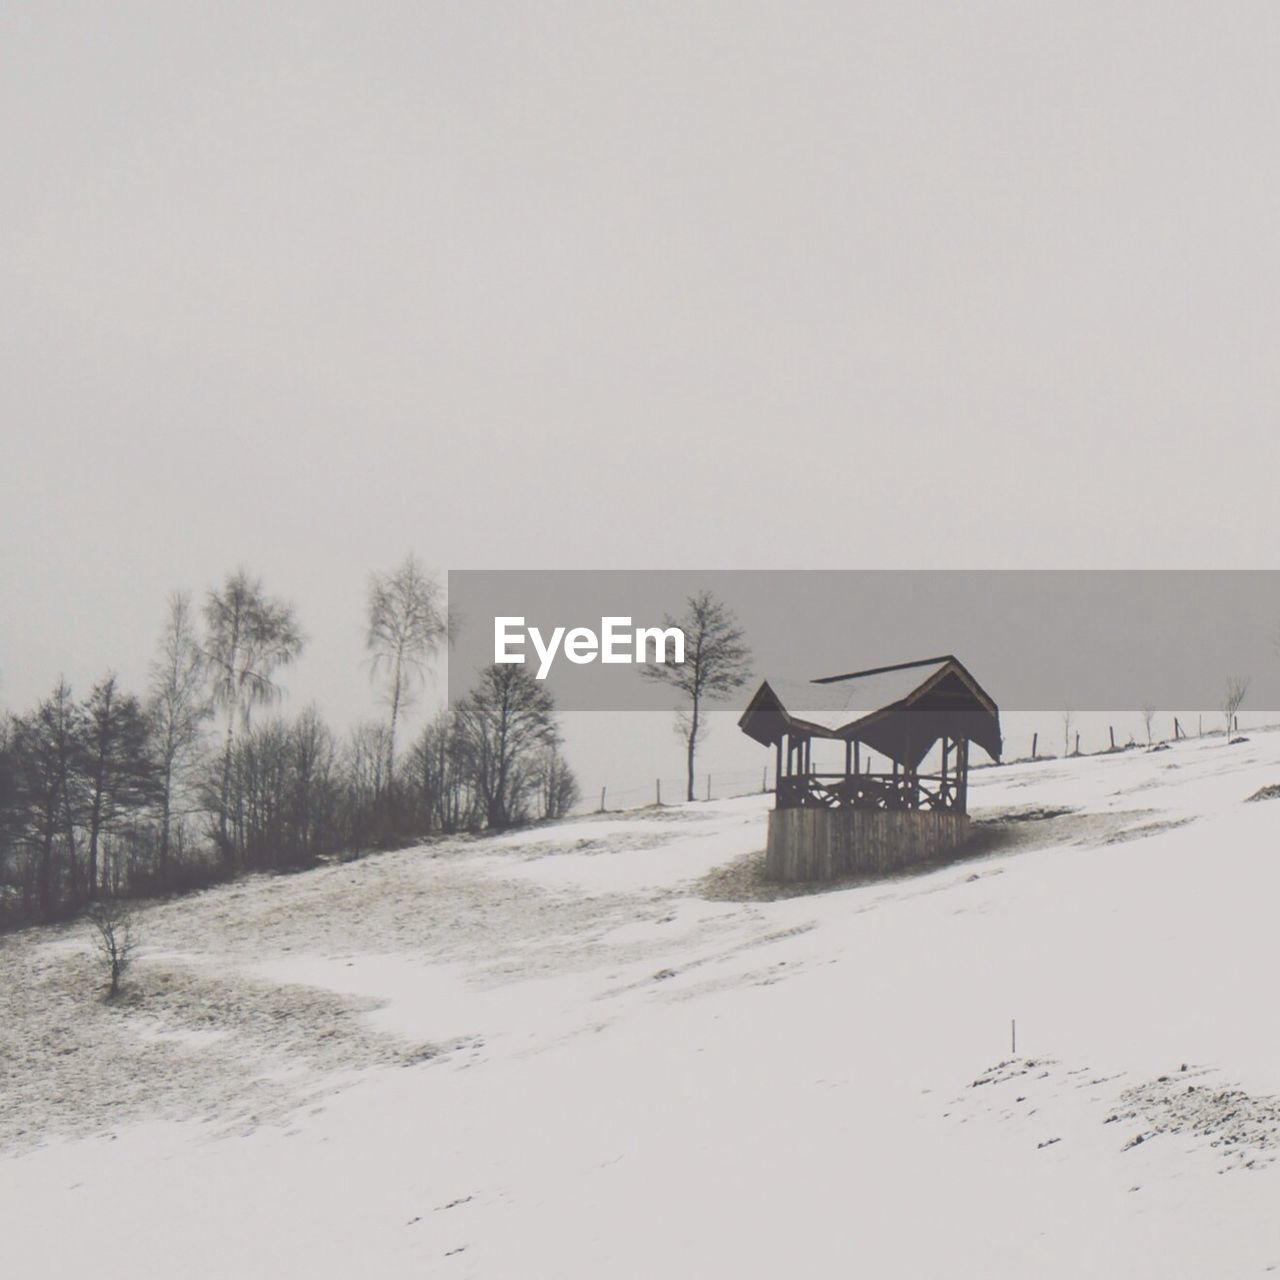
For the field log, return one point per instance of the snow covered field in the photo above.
(607, 1049)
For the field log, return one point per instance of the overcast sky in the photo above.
(303, 286)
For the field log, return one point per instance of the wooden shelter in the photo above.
(904, 732)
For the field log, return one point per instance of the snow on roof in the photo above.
(834, 702)
(838, 705)
(882, 687)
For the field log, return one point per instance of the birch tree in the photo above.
(178, 709)
(1148, 718)
(1233, 695)
(249, 637)
(407, 627)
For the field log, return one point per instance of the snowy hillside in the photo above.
(607, 1049)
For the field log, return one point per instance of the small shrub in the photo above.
(113, 934)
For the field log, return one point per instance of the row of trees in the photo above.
(118, 794)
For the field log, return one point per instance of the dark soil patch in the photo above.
(1033, 814)
(1242, 1128)
(743, 880)
(1145, 829)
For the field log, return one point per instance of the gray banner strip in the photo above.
(1037, 640)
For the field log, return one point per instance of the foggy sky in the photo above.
(303, 286)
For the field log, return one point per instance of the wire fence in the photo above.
(713, 785)
(1097, 739)
(1065, 741)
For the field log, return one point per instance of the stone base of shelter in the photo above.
(824, 844)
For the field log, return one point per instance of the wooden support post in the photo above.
(857, 757)
(1035, 737)
(848, 757)
(708, 786)
(601, 799)
(657, 799)
(908, 773)
(1112, 730)
(777, 768)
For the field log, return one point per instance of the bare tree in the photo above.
(260, 782)
(1148, 718)
(1068, 719)
(48, 752)
(503, 726)
(407, 626)
(113, 926)
(249, 637)
(178, 708)
(118, 769)
(441, 787)
(1233, 695)
(716, 662)
(11, 808)
(365, 768)
(292, 792)
(558, 789)
(314, 763)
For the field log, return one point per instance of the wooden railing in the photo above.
(871, 791)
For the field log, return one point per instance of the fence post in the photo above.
(708, 786)
(658, 786)
(1112, 730)
(601, 799)
(1077, 742)
(764, 779)
(1035, 737)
